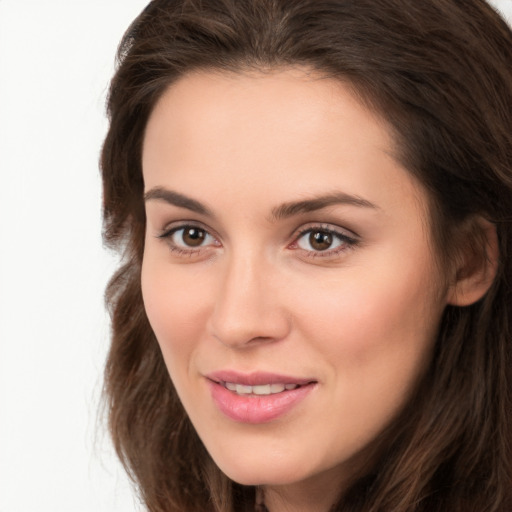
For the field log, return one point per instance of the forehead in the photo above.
(287, 131)
(294, 102)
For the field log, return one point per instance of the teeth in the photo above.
(241, 389)
(277, 388)
(263, 389)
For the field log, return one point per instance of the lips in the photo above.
(257, 397)
(262, 389)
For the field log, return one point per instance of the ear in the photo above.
(477, 263)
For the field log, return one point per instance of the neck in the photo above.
(299, 497)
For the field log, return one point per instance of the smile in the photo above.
(257, 397)
(262, 389)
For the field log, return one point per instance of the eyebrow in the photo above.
(177, 199)
(283, 211)
(318, 203)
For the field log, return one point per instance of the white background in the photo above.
(56, 58)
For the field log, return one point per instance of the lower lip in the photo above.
(257, 408)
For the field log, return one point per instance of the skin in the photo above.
(255, 295)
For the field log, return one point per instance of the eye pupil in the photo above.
(193, 237)
(320, 240)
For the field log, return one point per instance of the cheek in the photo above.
(378, 304)
(377, 330)
(176, 306)
(377, 342)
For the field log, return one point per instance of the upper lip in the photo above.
(256, 378)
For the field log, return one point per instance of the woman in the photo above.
(314, 203)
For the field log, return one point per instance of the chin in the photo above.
(261, 471)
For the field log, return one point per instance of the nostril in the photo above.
(257, 339)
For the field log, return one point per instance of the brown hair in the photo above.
(440, 72)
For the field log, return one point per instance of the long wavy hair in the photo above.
(440, 73)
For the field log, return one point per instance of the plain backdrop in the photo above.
(56, 58)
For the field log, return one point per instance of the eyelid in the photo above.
(174, 226)
(348, 238)
(325, 226)
(170, 229)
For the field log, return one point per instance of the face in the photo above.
(288, 273)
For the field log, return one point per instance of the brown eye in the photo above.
(193, 237)
(189, 238)
(320, 240)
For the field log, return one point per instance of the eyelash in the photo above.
(346, 242)
(182, 251)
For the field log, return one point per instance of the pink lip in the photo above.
(256, 408)
(256, 378)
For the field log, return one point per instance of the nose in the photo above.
(248, 309)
